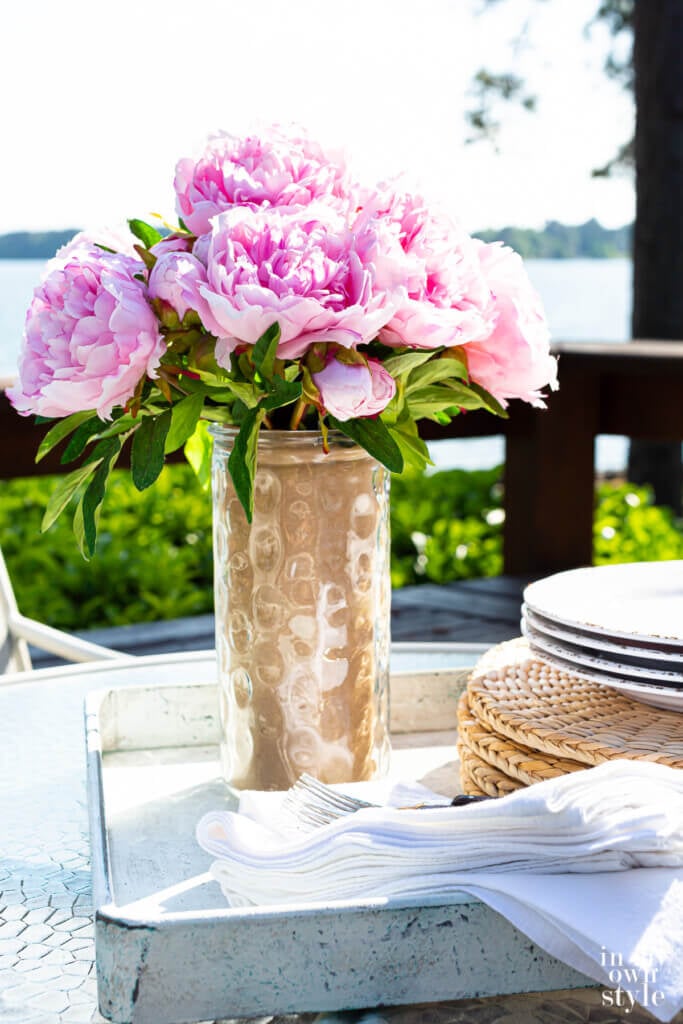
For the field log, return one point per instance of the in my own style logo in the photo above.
(631, 985)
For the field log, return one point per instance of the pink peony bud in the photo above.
(175, 278)
(348, 390)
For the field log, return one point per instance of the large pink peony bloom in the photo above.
(90, 336)
(301, 267)
(447, 295)
(277, 170)
(514, 361)
(348, 390)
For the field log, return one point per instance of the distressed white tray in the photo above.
(168, 949)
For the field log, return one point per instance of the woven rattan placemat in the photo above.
(478, 778)
(515, 760)
(514, 695)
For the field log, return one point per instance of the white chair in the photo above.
(17, 632)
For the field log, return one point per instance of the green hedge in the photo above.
(154, 557)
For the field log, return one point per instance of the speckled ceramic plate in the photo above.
(642, 654)
(664, 697)
(641, 601)
(586, 659)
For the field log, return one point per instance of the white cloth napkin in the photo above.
(561, 860)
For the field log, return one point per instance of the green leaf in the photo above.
(242, 460)
(79, 531)
(148, 235)
(59, 431)
(414, 450)
(435, 398)
(82, 435)
(427, 401)
(147, 452)
(222, 389)
(434, 371)
(374, 436)
(283, 393)
(264, 351)
(184, 417)
(441, 417)
(397, 366)
(489, 402)
(94, 494)
(119, 426)
(198, 453)
(63, 492)
(472, 396)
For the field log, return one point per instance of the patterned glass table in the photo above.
(47, 972)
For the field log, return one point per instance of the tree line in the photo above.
(558, 241)
(555, 241)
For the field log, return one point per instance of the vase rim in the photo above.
(224, 431)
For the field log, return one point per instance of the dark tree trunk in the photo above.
(658, 234)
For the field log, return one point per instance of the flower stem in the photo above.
(298, 413)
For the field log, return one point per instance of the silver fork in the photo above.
(310, 803)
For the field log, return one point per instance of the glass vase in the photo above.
(302, 602)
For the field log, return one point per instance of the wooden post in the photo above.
(549, 479)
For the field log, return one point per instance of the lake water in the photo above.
(585, 300)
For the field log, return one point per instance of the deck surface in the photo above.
(480, 611)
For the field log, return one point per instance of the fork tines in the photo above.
(312, 803)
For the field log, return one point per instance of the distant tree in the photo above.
(653, 69)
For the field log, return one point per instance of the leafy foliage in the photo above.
(154, 557)
(628, 527)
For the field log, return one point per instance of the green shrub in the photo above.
(154, 558)
(446, 526)
(629, 528)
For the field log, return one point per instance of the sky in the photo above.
(102, 99)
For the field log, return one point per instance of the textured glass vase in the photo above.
(302, 601)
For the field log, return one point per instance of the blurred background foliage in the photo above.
(154, 558)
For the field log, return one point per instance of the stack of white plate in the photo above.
(619, 625)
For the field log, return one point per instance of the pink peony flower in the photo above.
(175, 278)
(348, 390)
(172, 243)
(90, 336)
(514, 361)
(447, 295)
(300, 267)
(277, 170)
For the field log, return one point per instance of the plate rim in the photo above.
(601, 665)
(579, 638)
(612, 569)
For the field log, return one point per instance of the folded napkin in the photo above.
(557, 859)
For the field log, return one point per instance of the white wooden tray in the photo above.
(168, 949)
